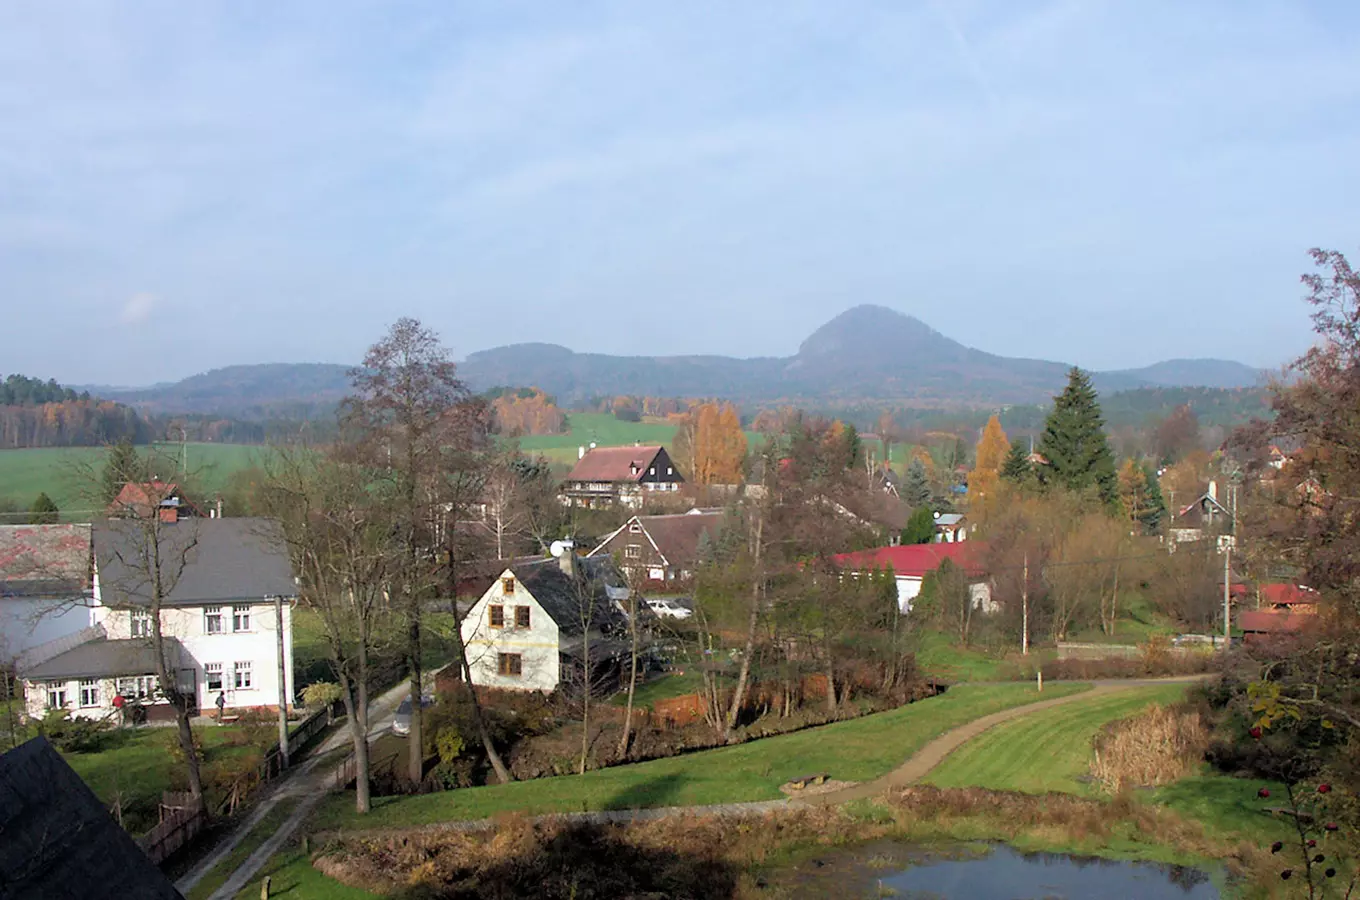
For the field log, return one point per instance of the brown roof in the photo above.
(44, 559)
(1273, 622)
(614, 463)
(679, 537)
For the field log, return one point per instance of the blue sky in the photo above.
(184, 186)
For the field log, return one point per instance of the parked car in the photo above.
(668, 609)
(401, 722)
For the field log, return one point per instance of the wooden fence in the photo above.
(182, 818)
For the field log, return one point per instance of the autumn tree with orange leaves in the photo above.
(710, 445)
(991, 453)
(527, 411)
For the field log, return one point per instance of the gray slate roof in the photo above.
(563, 597)
(44, 560)
(59, 841)
(105, 659)
(225, 560)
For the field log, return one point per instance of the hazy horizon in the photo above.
(184, 188)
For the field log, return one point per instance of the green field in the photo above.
(858, 750)
(1049, 750)
(606, 431)
(63, 472)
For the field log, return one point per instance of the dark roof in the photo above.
(225, 560)
(105, 659)
(1274, 622)
(614, 463)
(680, 538)
(59, 841)
(562, 597)
(1287, 594)
(1195, 514)
(44, 560)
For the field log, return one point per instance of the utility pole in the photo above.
(1227, 595)
(1024, 611)
(283, 684)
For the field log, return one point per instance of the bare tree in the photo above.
(636, 582)
(338, 540)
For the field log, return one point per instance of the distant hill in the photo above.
(865, 354)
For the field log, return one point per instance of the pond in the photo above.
(987, 872)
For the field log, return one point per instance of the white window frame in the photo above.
(56, 695)
(139, 625)
(239, 615)
(214, 669)
(635, 528)
(242, 684)
(89, 692)
(211, 614)
(632, 551)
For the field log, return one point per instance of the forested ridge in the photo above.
(36, 413)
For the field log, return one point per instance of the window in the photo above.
(56, 695)
(141, 623)
(240, 618)
(139, 687)
(510, 664)
(89, 692)
(635, 528)
(241, 670)
(508, 585)
(670, 470)
(212, 673)
(212, 620)
(652, 470)
(497, 616)
(632, 551)
(521, 617)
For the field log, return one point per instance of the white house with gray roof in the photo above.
(218, 616)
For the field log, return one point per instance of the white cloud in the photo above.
(137, 309)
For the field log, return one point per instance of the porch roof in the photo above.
(105, 659)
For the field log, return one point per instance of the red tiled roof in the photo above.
(915, 560)
(614, 463)
(1287, 594)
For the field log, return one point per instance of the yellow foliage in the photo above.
(991, 454)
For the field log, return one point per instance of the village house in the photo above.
(218, 616)
(139, 499)
(663, 550)
(910, 563)
(626, 476)
(529, 629)
(950, 528)
(1206, 517)
(44, 585)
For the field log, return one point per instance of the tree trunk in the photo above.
(585, 700)
(358, 733)
(632, 673)
(757, 579)
(415, 769)
(180, 702)
(497, 765)
(830, 683)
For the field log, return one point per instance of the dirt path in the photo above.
(310, 781)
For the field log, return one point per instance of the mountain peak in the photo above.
(876, 332)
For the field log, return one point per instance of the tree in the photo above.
(1177, 435)
(43, 511)
(1139, 497)
(920, 527)
(710, 445)
(992, 451)
(1016, 470)
(1074, 442)
(408, 409)
(915, 488)
(120, 463)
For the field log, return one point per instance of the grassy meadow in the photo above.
(63, 472)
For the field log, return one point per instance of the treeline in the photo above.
(521, 411)
(70, 423)
(20, 390)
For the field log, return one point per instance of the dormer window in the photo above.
(508, 585)
(635, 528)
(632, 469)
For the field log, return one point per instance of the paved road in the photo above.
(308, 781)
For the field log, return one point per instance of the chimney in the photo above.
(567, 560)
(1213, 490)
(580, 452)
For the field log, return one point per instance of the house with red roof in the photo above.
(623, 476)
(910, 563)
(139, 499)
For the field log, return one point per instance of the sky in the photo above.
(191, 185)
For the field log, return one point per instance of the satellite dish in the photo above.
(556, 548)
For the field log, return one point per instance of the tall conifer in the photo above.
(1074, 442)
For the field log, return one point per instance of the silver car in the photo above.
(401, 722)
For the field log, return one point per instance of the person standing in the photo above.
(221, 705)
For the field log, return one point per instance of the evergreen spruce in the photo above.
(920, 527)
(43, 511)
(1074, 442)
(1156, 513)
(1015, 469)
(915, 487)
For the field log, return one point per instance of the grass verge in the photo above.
(856, 750)
(1049, 750)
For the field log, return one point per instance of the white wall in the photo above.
(26, 623)
(980, 593)
(537, 645)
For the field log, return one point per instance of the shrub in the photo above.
(1156, 747)
(73, 734)
(321, 694)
